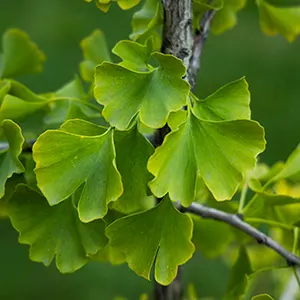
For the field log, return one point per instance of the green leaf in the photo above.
(207, 4)
(291, 169)
(146, 21)
(191, 292)
(29, 174)
(54, 231)
(71, 102)
(134, 56)
(230, 102)
(12, 140)
(226, 18)
(4, 89)
(64, 161)
(95, 51)
(221, 152)
(109, 254)
(132, 153)
(17, 89)
(210, 237)
(29, 115)
(282, 20)
(176, 119)
(262, 201)
(262, 297)
(238, 276)
(202, 6)
(20, 55)
(123, 4)
(151, 95)
(10, 186)
(160, 236)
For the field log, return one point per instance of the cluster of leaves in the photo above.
(87, 191)
(273, 19)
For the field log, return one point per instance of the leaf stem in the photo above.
(295, 248)
(243, 197)
(270, 222)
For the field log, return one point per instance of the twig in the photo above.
(235, 221)
(199, 40)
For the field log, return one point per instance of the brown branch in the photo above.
(178, 32)
(178, 40)
(199, 40)
(237, 222)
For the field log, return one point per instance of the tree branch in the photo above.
(199, 40)
(236, 221)
(178, 32)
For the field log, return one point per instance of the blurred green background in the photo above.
(271, 66)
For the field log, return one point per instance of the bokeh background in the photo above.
(271, 66)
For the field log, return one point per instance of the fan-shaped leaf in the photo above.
(64, 161)
(162, 233)
(150, 95)
(124, 4)
(146, 21)
(11, 141)
(230, 102)
(132, 153)
(262, 297)
(211, 238)
(20, 55)
(238, 276)
(226, 18)
(54, 231)
(221, 152)
(134, 55)
(283, 20)
(95, 51)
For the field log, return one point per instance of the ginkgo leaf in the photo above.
(35, 113)
(238, 276)
(4, 89)
(12, 140)
(109, 254)
(132, 153)
(220, 152)
(64, 161)
(151, 95)
(262, 297)
(17, 89)
(25, 108)
(291, 169)
(160, 236)
(211, 238)
(54, 230)
(226, 17)
(146, 21)
(18, 109)
(208, 4)
(123, 4)
(177, 118)
(134, 55)
(95, 51)
(20, 55)
(71, 102)
(10, 186)
(283, 20)
(230, 102)
(263, 201)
